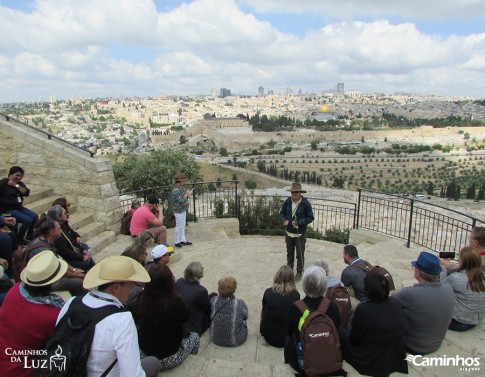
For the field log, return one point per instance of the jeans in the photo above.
(27, 218)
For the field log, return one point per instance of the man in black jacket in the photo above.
(296, 213)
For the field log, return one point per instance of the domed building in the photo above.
(323, 114)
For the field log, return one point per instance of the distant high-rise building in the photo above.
(340, 88)
(223, 93)
(260, 91)
(213, 92)
(53, 100)
(289, 91)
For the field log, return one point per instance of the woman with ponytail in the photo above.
(468, 284)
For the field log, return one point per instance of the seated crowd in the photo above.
(159, 320)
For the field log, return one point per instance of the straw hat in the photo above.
(116, 268)
(43, 269)
(296, 187)
(180, 177)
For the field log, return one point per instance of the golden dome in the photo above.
(324, 109)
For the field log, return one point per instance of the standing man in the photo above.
(149, 217)
(296, 213)
(180, 205)
(427, 306)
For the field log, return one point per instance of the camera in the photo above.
(447, 254)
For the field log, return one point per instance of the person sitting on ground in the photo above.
(5, 282)
(332, 281)
(74, 236)
(195, 297)
(126, 220)
(427, 306)
(149, 217)
(180, 205)
(12, 193)
(145, 239)
(139, 254)
(72, 280)
(161, 255)
(228, 315)
(374, 346)
(65, 245)
(353, 276)
(314, 285)
(115, 337)
(161, 316)
(29, 312)
(468, 285)
(477, 241)
(276, 303)
(8, 242)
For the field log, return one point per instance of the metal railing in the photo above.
(429, 225)
(209, 199)
(8, 118)
(261, 214)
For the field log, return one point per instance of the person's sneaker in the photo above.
(186, 243)
(298, 276)
(178, 245)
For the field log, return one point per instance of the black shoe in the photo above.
(186, 243)
(178, 245)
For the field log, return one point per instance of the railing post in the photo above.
(236, 198)
(410, 228)
(357, 213)
(193, 204)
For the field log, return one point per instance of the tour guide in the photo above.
(296, 213)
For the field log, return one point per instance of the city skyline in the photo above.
(148, 48)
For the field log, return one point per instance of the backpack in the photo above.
(20, 257)
(125, 223)
(318, 348)
(69, 345)
(340, 295)
(381, 270)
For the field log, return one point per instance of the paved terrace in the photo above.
(253, 260)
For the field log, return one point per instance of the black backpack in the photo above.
(20, 257)
(125, 223)
(69, 345)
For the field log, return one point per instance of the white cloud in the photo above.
(114, 47)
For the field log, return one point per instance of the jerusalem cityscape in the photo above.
(242, 188)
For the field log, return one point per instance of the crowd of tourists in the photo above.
(147, 321)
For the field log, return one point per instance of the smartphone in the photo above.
(447, 254)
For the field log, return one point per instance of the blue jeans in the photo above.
(27, 218)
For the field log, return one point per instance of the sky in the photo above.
(113, 48)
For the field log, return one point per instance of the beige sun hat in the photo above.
(296, 187)
(180, 177)
(115, 268)
(43, 269)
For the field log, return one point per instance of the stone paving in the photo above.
(253, 262)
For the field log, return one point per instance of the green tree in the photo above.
(250, 184)
(234, 177)
(154, 170)
(314, 145)
(430, 188)
(182, 139)
(223, 152)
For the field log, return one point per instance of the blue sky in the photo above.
(99, 48)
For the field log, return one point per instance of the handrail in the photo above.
(49, 135)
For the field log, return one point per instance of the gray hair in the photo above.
(428, 277)
(142, 238)
(193, 272)
(314, 282)
(321, 263)
(54, 213)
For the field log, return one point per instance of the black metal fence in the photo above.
(429, 225)
(260, 214)
(208, 199)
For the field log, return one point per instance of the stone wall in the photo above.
(87, 181)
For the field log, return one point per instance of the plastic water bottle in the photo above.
(301, 357)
